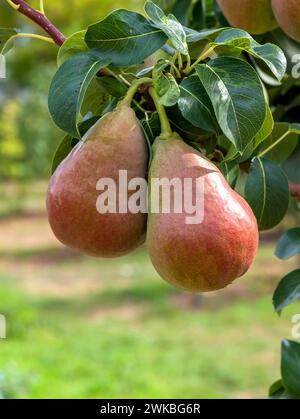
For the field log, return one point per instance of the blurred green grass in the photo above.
(85, 327)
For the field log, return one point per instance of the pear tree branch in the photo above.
(39, 18)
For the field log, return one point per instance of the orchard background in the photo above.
(78, 326)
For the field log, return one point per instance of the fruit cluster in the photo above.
(260, 16)
(201, 257)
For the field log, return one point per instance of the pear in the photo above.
(254, 16)
(210, 254)
(287, 13)
(116, 142)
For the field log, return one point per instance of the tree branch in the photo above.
(40, 19)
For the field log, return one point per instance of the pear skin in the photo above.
(254, 16)
(116, 142)
(206, 256)
(287, 13)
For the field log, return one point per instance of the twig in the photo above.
(39, 18)
(42, 10)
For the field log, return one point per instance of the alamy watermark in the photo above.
(178, 196)
(2, 326)
(296, 326)
(296, 66)
(2, 67)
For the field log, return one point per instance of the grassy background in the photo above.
(84, 327)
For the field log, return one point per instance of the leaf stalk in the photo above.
(133, 89)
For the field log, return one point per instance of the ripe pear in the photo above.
(116, 142)
(208, 255)
(287, 13)
(254, 16)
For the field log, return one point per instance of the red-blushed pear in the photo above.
(211, 254)
(116, 142)
(254, 16)
(287, 13)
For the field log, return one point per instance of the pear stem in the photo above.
(180, 63)
(201, 58)
(39, 18)
(188, 63)
(133, 89)
(164, 121)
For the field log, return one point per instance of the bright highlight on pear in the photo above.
(206, 256)
(116, 142)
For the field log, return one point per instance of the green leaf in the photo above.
(276, 390)
(189, 131)
(295, 128)
(285, 147)
(240, 183)
(290, 47)
(267, 192)
(68, 89)
(145, 71)
(292, 166)
(5, 35)
(266, 129)
(182, 10)
(264, 73)
(165, 84)
(74, 44)
(264, 132)
(62, 151)
(125, 38)
(95, 98)
(110, 106)
(234, 155)
(112, 86)
(230, 170)
(195, 105)
(287, 291)
(169, 25)
(288, 244)
(237, 95)
(151, 126)
(68, 143)
(272, 56)
(290, 366)
(199, 13)
(193, 36)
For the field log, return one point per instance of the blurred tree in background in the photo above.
(28, 137)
